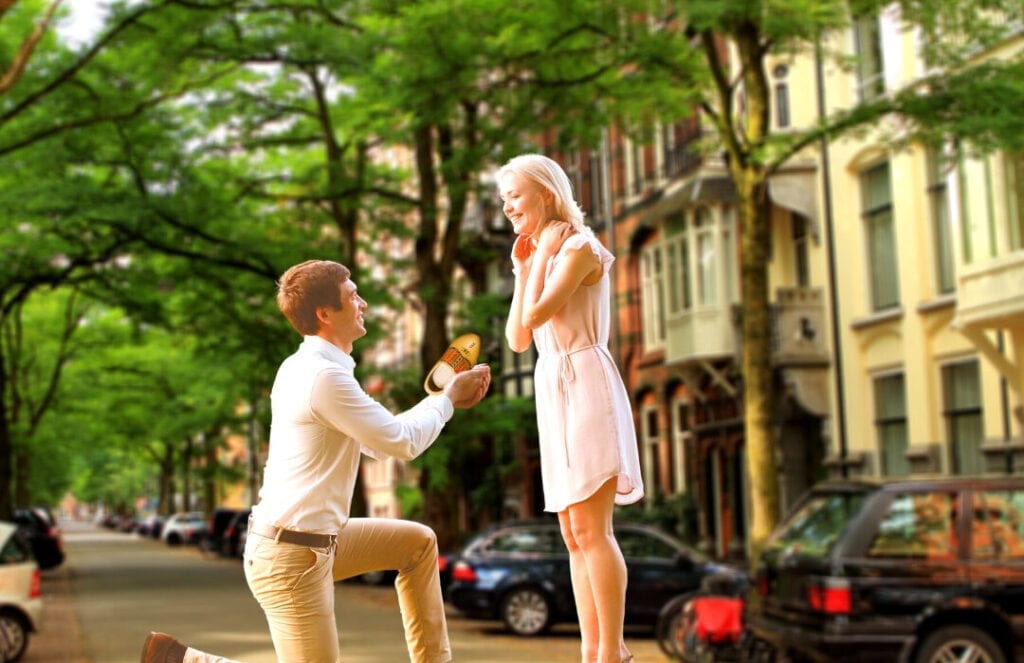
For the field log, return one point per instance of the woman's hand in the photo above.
(552, 237)
(522, 254)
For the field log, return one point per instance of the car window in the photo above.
(997, 531)
(814, 527)
(526, 541)
(636, 543)
(919, 525)
(15, 551)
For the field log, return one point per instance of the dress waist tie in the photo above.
(567, 374)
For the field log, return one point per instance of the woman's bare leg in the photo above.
(601, 588)
(585, 610)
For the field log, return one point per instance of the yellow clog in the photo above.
(460, 356)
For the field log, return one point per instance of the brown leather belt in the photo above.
(283, 535)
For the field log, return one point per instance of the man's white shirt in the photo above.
(321, 420)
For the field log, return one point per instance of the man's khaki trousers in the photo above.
(295, 587)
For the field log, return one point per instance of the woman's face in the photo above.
(525, 203)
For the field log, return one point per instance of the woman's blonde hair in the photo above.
(547, 173)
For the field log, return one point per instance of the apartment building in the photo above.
(929, 281)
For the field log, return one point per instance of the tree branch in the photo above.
(73, 70)
(17, 68)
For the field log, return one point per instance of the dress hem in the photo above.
(621, 499)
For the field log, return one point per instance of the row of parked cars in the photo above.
(922, 570)
(222, 532)
(30, 543)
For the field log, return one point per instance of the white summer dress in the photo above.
(584, 418)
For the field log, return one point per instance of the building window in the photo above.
(681, 438)
(517, 371)
(801, 259)
(868, 50)
(707, 280)
(636, 162)
(649, 426)
(729, 253)
(574, 171)
(781, 96)
(677, 254)
(652, 296)
(961, 390)
(942, 222)
(668, 149)
(599, 182)
(881, 237)
(1014, 164)
(891, 424)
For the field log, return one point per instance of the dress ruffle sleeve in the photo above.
(579, 240)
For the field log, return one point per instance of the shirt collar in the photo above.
(329, 350)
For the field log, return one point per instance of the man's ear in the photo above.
(322, 314)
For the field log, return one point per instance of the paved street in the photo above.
(114, 588)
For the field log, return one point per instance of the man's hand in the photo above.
(468, 388)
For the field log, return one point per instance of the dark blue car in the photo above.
(518, 572)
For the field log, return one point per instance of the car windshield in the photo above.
(814, 527)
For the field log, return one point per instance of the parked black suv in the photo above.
(915, 570)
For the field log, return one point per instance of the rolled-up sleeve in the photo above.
(340, 403)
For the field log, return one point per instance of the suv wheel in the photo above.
(960, 643)
(526, 611)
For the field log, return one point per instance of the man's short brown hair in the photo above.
(308, 286)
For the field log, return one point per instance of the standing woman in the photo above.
(589, 459)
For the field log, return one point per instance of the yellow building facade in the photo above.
(929, 281)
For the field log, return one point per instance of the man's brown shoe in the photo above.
(162, 648)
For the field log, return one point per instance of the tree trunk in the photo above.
(434, 283)
(166, 504)
(22, 476)
(755, 218)
(6, 510)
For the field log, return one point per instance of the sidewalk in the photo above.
(59, 639)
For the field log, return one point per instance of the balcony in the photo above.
(798, 328)
(991, 293)
(798, 331)
(704, 333)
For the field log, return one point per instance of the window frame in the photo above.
(955, 414)
(887, 422)
(877, 217)
(870, 66)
